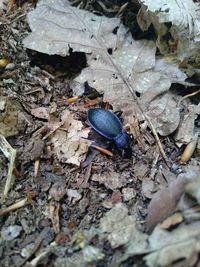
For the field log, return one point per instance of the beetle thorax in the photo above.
(122, 140)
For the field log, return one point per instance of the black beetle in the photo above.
(107, 124)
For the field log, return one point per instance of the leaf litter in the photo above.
(134, 59)
(108, 220)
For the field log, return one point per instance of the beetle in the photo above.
(107, 124)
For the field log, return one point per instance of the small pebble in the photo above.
(11, 232)
(57, 191)
(128, 193)
(10, 66)
(108, 204)
(26, 252)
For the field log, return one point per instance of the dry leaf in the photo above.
(193, 188)
(41, 113)
(111, 180)
(172, 221)
(164, 202)
(73, 195)
(178, 19)
(182, 244)
(57, 191)
(9, 119)
(121, 229)
(148, 187)
(70, 145)
(131, 62)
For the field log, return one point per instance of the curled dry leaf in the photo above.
(164, 202)
(183, 16)
(70, 143)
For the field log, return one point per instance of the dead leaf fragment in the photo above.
(183, 16)
(73, 195)
(57, 191)
(121, 229)
(148, 187)
(9, 120)
(128, 193)
(41, 113)
(193, 188)
(70, 145)
(33, 148)
(111, 180)
(182, 244)
(171, 221)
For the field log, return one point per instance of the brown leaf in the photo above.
(41, 113)
(131, 67)
(70, 144)
(164, 202)
(111, 180)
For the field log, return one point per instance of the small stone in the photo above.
(57, 191)
(73, 195)
(108, 204)
(2, 103)
(116, 197)
(27, 251)
(10, 66)
(128, 193)
(11, 232)
(83, 204)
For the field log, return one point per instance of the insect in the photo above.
(107, 124)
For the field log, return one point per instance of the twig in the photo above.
(157, 138)
(37, 244)
(15, 206)
(10, 154)
(36, 167)
(18, 204)
(186, 96)
(42, 255)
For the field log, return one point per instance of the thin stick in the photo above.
(186, 96)
(10, 154)
(15, 206)
(157, 138)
